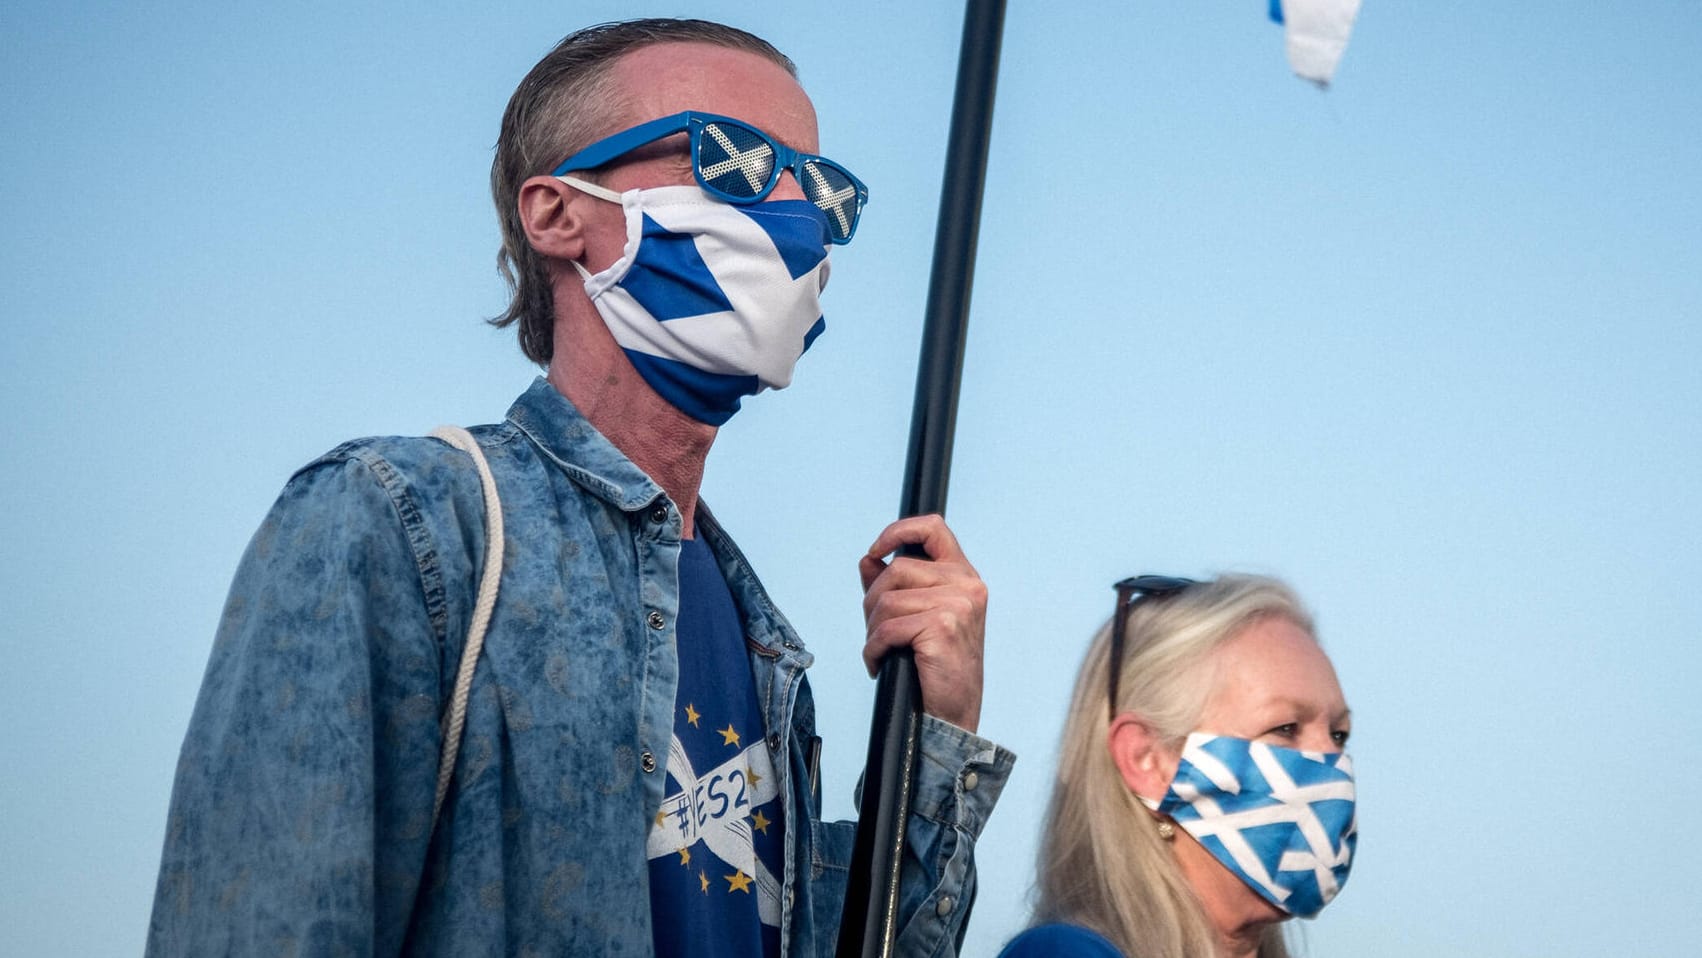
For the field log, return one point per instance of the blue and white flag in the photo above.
(1317, 32)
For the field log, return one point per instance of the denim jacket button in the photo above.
(659, 514)
(970, 780)
(656, 621)
(774, 741)
(648, 761)
(943, 907)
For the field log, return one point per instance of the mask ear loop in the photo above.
(596, 283)
(592, 189)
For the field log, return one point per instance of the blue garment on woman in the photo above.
(1060, 941)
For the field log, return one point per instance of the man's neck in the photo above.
(668, 445)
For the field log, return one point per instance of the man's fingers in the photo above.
(900, 618)
(929, 532)
(905, 574)
(935, 606)
(869, 568)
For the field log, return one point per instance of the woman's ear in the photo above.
(551, 214)
(1146, 764)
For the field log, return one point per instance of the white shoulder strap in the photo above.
(455, 717)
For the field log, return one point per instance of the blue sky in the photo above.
(1426, 345)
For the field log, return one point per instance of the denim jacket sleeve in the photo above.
(301, 809)
(959, 778)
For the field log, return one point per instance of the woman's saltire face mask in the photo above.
(1281, 819)
(712, 302)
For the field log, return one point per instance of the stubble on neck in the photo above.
(590, 369)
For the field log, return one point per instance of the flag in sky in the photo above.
(1317, 33)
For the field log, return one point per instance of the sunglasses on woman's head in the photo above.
(739, 163)
(1130, 593)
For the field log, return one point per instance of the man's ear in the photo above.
(1147, 766)
(551, 214)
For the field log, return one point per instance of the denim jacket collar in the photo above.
(563, 434)
(764, 624)
(568, 439)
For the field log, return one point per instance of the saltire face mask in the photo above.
(712, 302)
(1281, 819)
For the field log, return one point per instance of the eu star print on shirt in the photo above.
(715, 847)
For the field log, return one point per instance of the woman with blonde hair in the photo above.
(1202, 796)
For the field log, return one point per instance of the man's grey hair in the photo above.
(562, 106)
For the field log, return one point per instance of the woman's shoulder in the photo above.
(1068, 941)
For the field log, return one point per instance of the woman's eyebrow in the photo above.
(1306, 709)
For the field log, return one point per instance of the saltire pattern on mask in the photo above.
(711, 301)
(1281, 819)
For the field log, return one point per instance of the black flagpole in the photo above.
(869, 922)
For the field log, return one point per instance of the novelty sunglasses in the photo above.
(739, 163)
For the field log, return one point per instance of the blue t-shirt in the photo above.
(716, 847)
(1060, 941)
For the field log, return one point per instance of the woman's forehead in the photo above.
(1274, 662)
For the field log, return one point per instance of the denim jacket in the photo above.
(301, 813)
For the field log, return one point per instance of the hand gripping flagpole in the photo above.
(869, 924)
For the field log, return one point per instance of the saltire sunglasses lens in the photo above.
(738, 163)
(735, 160)
(832, 190)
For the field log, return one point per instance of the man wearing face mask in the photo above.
(635, 767)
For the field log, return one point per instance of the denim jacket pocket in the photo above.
(829, 873)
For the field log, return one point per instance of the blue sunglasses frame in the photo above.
(693, 122)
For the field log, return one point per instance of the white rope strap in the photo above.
(455, 717)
